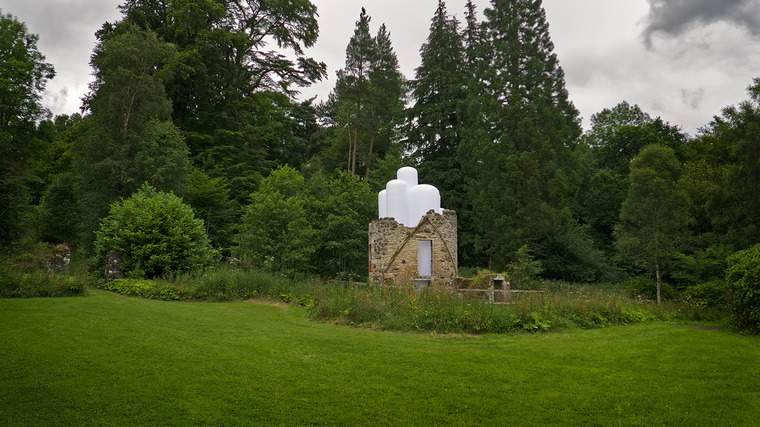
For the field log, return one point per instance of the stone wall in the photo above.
(58, 262)
(393, 250)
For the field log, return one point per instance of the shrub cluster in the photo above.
(579, 306)
(15, 283)
(156, 233)
(744, 277)
(144, 288)
(444, 312)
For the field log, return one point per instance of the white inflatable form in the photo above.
(407, 174)
(420, 199)
(382, 204)
(405, 200)
(395, 195)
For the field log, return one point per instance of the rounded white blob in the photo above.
(382, 204)
(420, 199)
(407, 174)
(395, 199)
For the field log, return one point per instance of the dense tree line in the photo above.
(191, 97)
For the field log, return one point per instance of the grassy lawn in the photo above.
(109, 359)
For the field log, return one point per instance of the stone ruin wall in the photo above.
(393, 250)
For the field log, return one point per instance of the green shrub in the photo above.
(156, 234)
(641, 286)
(144, 288)
(15, 283)
(743, 275)
(711, 294)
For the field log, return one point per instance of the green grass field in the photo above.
(109, 359)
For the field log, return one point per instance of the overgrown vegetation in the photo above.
(560, 306)
(18, 284)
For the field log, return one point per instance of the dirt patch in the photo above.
(267, 302)
(702, 326)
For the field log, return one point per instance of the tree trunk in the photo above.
(348, 129)
(371, 144)
(369, 156)
(356, 136)
(356, 142)
(657, 273)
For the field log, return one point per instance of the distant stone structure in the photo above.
(58, 261)
(414, 241)
(494, 288)
(114, 265)
(425, 255)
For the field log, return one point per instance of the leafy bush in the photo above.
(274, 231)
(641, 286)
(524, 272)
(156, 234)
(146, 289)
(712, 293)
(743, 275)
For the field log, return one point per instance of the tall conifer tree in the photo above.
(352, 88)
(387, 91)
(520, 160)
(368, 100)
(437, 118)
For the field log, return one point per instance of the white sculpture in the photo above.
(405, 200)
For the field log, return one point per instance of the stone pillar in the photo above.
(114, 263)
(59, 261)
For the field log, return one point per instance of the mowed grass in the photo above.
(109, 359)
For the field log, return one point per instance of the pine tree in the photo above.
(521, 165)
(352, 87)
(436, 120)
(366, 106)
(387, 93)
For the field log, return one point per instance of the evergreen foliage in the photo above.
(274, 231)
(192, 96)
(737, 133)
(319, 225)
(617, 135)
(520, 167)
(436, 121)
(340, 208)
(366, 106)
(211, 202)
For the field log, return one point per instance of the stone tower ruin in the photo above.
(414, 241)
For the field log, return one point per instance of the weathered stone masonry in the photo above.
(393, 250)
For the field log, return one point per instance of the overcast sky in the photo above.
(682, 60)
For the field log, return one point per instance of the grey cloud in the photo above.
(692, 99)
(674, 17)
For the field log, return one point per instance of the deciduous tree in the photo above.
(129, 138)
(654, 216)
(23, 75)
